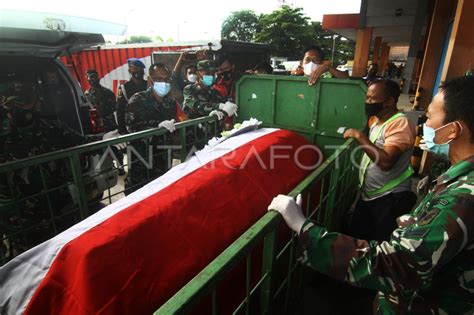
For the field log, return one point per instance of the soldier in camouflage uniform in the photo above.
(136, 84)
(200, 98)
(22, 203)
(152, 108)
(101, 99)
(427, 265)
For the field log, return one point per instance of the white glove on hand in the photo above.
(423, 145)
(218, 113)
(290, 210)
(114, 134)
(168, 125)
(229, 108)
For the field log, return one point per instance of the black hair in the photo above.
(391, 88)
(158, 65)
(91, 71)
(264, 66)
(191, 66)
(223, 57)
(317, 49)
(459, 101)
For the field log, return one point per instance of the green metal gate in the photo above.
(320, 113)
(43, 195)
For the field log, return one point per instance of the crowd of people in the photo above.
(418, 260)
(165, 98)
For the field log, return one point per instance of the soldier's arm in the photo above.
(201, 108)
(190, 103)
(408, 260)
(111, 105)
(218, 96)
(121, 108)
(133, 115)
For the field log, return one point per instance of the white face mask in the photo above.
(309, 68)
(162, 88)
(192, 78)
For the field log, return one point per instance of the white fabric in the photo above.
(20, 277)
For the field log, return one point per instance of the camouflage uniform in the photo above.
(22, 203)
(144, 112)
(199, 102)
(426, 267)
(123, 99)
(103, 100)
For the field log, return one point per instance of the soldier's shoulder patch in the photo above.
(428, 217)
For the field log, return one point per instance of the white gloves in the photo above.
(218, 113)
(290, 210)
(168, 125)
(229, 108)
(114, 134)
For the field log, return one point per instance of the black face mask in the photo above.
(21, 117)
(227, 75)
(372, 109)
(138, 75)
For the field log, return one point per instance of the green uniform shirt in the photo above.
(103, 100)
(199, 102)
(427, 267)
(123, 98)
(144, 111)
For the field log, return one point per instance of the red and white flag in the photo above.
(134, 254)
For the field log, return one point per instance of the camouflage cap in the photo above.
(206, 65)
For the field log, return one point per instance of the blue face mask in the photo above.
(161, 88)
(208, 80)
(439, 149)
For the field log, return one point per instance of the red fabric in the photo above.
(180, 115)
(134, 261)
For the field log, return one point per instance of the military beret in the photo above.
(136, 62)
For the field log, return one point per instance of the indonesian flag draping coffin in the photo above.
(133, 255)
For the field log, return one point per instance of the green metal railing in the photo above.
(43, 195)
(328, 192)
